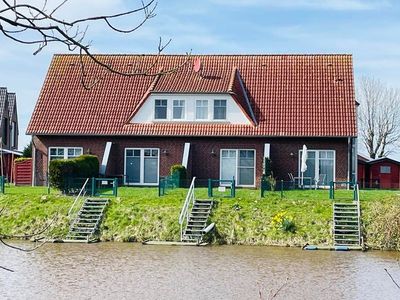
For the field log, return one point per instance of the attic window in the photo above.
(219, 109)
(178, 110)
(160, 109)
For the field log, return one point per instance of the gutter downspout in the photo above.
(33, 161)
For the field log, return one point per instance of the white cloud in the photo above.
(309, 4)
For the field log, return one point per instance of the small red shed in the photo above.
(384, 173)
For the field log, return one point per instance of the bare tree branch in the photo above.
(7, 269)
(379, 116)
(28, 24)
(391, 277)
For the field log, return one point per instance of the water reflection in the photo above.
(133, 271)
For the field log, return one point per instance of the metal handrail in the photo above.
(190, 196)
(358, 212)
(77, 197)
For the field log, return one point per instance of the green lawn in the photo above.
(138, 214)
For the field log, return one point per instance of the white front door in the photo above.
(141, 166)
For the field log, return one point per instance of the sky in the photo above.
(367, 29)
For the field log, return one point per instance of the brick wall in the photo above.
(204, 159)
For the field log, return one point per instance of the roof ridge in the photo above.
(215, 55)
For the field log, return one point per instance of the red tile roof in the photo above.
(291, 95)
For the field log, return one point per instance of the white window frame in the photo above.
(184, 109)
(12, 133)
(142, 183)
(208, 110)
(383, 169)
(317, 151)
(65, 156)
(226, 110)
(166, 110)
(237, 165)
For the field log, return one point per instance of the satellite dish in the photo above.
(197, 65)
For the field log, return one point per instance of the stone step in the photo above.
(201, 208)
(91, 220)
(195, 226)
(355, 239)
(86, 214)
(79, 231)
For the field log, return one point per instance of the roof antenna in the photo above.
(198, 66)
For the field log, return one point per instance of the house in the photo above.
(8, 131)
(219, 115)
(381, 173)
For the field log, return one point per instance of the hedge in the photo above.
(62, 171)
(181, 171)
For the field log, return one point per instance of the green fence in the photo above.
(2, 184)
(222, 187)
(104, 187)
(345, 185)
(168, 183)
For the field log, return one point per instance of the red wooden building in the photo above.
(381, 173)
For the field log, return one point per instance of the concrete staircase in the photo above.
(197, 221)
(86, 225)
(346, 224)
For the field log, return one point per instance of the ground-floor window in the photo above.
(239, 164)
(64, 152)
(141, 166)
(320, 166)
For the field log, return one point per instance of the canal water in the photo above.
(133, 271)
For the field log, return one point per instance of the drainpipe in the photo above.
(33, 161)
(348, 160)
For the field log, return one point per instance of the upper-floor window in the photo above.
(12, 134)
(178, 109)
(64, 152)
(160, 109)
(201, 109)
(219, 109)
(5, 131)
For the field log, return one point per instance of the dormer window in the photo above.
(178, 110)
(160, 109)
(219, 109)
(201, 109)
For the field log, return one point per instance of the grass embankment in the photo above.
(138, 214)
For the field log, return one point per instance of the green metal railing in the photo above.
(104, 187)
(168, 183)
(2, 184)
(348, 184)
(221, 183)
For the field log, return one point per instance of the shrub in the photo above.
(267, 167)
(62, 171)
(27, 152)
(181, 171)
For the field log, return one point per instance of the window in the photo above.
(141, 166)
(319, 162)
(178, 109)
(239, 164)
(201, 109)
(13, 133)
(219, 109)
(64, 152)
(385, 170)
(5, 131)
(160, 110)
